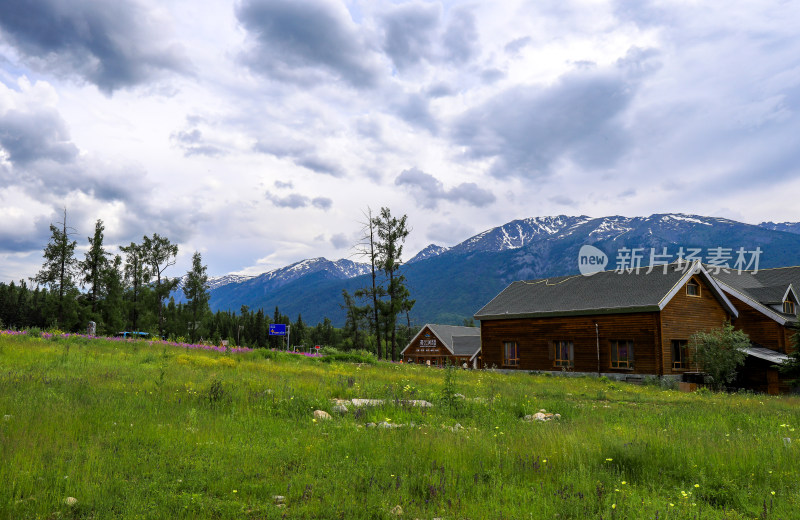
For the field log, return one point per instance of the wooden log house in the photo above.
(631, 324)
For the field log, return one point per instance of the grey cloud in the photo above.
(516, 45)
(110, 44)
(281, 185)
(562, 200)
(192, 143)
(45, 162)
(461, 39)
(295, 201)
(440, 90)
(492, 75)
(29, 137)
(301, 154)
(323, 203)
(414, 109)
(410, 29)
(430, 190)
(305, 41)
(319, 165)
(340, 241)
(527, 129)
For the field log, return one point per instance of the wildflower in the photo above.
(613, 506)
(609, 460)
(623, 482)
(697, 485)
(235, 491)
(773, 493)
(544, 461)
(671, 504)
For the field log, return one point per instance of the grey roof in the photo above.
(448, 333)
(766, 354)
(766, 286)
(466, 345)
(606, 292)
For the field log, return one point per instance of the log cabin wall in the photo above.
(761, 328)
(686, 314)
(534, 337)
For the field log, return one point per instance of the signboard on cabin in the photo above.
(277, 329)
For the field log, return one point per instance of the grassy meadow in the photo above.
(139, 430)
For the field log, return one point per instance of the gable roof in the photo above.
(467, 345)
(607, 292)
(456, 339)
(763, 288)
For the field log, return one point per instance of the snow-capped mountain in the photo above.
(337, 269)
(449, 284)
(789, 227)
(520, 233)
(429, 252)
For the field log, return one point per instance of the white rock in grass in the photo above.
(397, 510)
(339, 408)
(279, 499)
(71, 501)
(321, 415)
(8, 417)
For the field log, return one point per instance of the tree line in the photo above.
(132, 292)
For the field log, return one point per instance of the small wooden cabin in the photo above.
(438, 345)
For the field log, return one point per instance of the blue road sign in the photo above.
(277, 329)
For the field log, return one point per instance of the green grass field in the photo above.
(132, 430)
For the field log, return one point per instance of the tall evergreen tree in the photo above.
(60, 265)
(159, 254)
(111, 307)
(392, 233)
(196, 291)
(137, 275)
(93, 265)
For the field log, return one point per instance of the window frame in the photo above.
(630, 359)
(509, 361)
(789, 307)
(561, 346)
(683, 348)
(693, 283)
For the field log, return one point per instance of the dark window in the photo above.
(693, 288)
(622, 354)
(510, 354)
(788, 307)
(679, 360)
(564, 353)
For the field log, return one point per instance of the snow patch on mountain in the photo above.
(430, 251)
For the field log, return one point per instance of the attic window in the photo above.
(788, 307)
(693, 288)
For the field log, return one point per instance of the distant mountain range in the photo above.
(450, 284)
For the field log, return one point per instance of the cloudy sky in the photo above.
(258, 131)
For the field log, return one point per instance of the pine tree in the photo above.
(159, 254)
(392, 233)
(60, 265)
(111, 306)
(93, 264)
(136, 276)
(196, 291)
